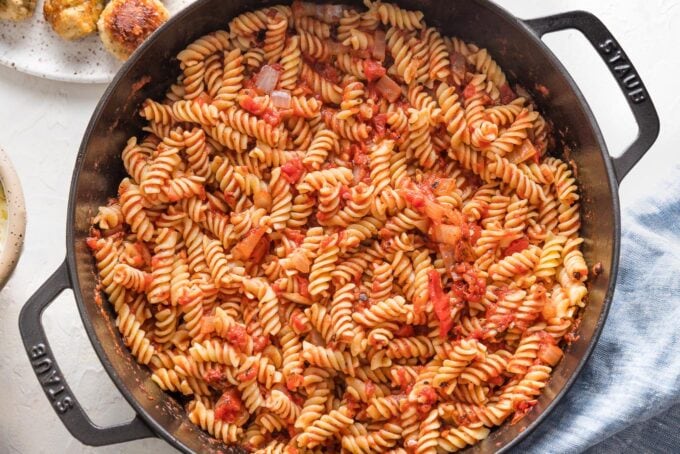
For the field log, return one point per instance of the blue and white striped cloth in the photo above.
(627, 399)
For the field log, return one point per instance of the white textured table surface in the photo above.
(42, 123)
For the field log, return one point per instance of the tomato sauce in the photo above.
(229, 406)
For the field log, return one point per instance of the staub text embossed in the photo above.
(624, 71)
(51, 381)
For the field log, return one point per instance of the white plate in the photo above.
(31, 46)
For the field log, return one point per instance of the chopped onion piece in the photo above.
(245, 247)
(550, 354)
(303, 8)
(436, 212)
(447, 234)
(267, 79)
(299, 262)
(448, 255)
(458, 65)
(329, 13)
(378, 50)
(388, 88)
(524, 152)
(281, 99)
(336, 48)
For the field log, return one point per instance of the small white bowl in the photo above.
(16, 218)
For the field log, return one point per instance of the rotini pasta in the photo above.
(342, 231)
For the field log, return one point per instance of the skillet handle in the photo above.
(623, 71)
(52, 380)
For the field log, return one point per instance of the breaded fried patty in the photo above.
(16, 9)
(125, 24)
(73, 19)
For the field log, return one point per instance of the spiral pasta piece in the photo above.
(328, 425)
(205, 419)
(391, 14)
(404, 65)
(248, 124)
(268, 304)
(194, 112)
(460, 437)
(275, 37)
(134, 336)
(330, 92)
(232, 79)
(204, 46)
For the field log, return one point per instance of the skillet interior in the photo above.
(150, 71)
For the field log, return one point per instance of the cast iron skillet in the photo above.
(517, 47)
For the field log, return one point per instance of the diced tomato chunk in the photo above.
(469, 91)
(303, 285)
(298, 322)
(248, 103)
(292, 170)
(213, 376)
(379, 122)
(92, 243)
(471, 232)
(359, 153)
(294, 381)
(426, 398)
(427, 395)
(237, 336)
(415, 198)
(229, 406)
(271, 117)
(295, 236)
(521, 409)
(403, 379)
(440, 301)
(374, 70)
(259, 343)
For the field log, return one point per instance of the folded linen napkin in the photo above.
(634, 372)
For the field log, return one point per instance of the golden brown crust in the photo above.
(16, 10)
(125, 24)
(73, 19)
